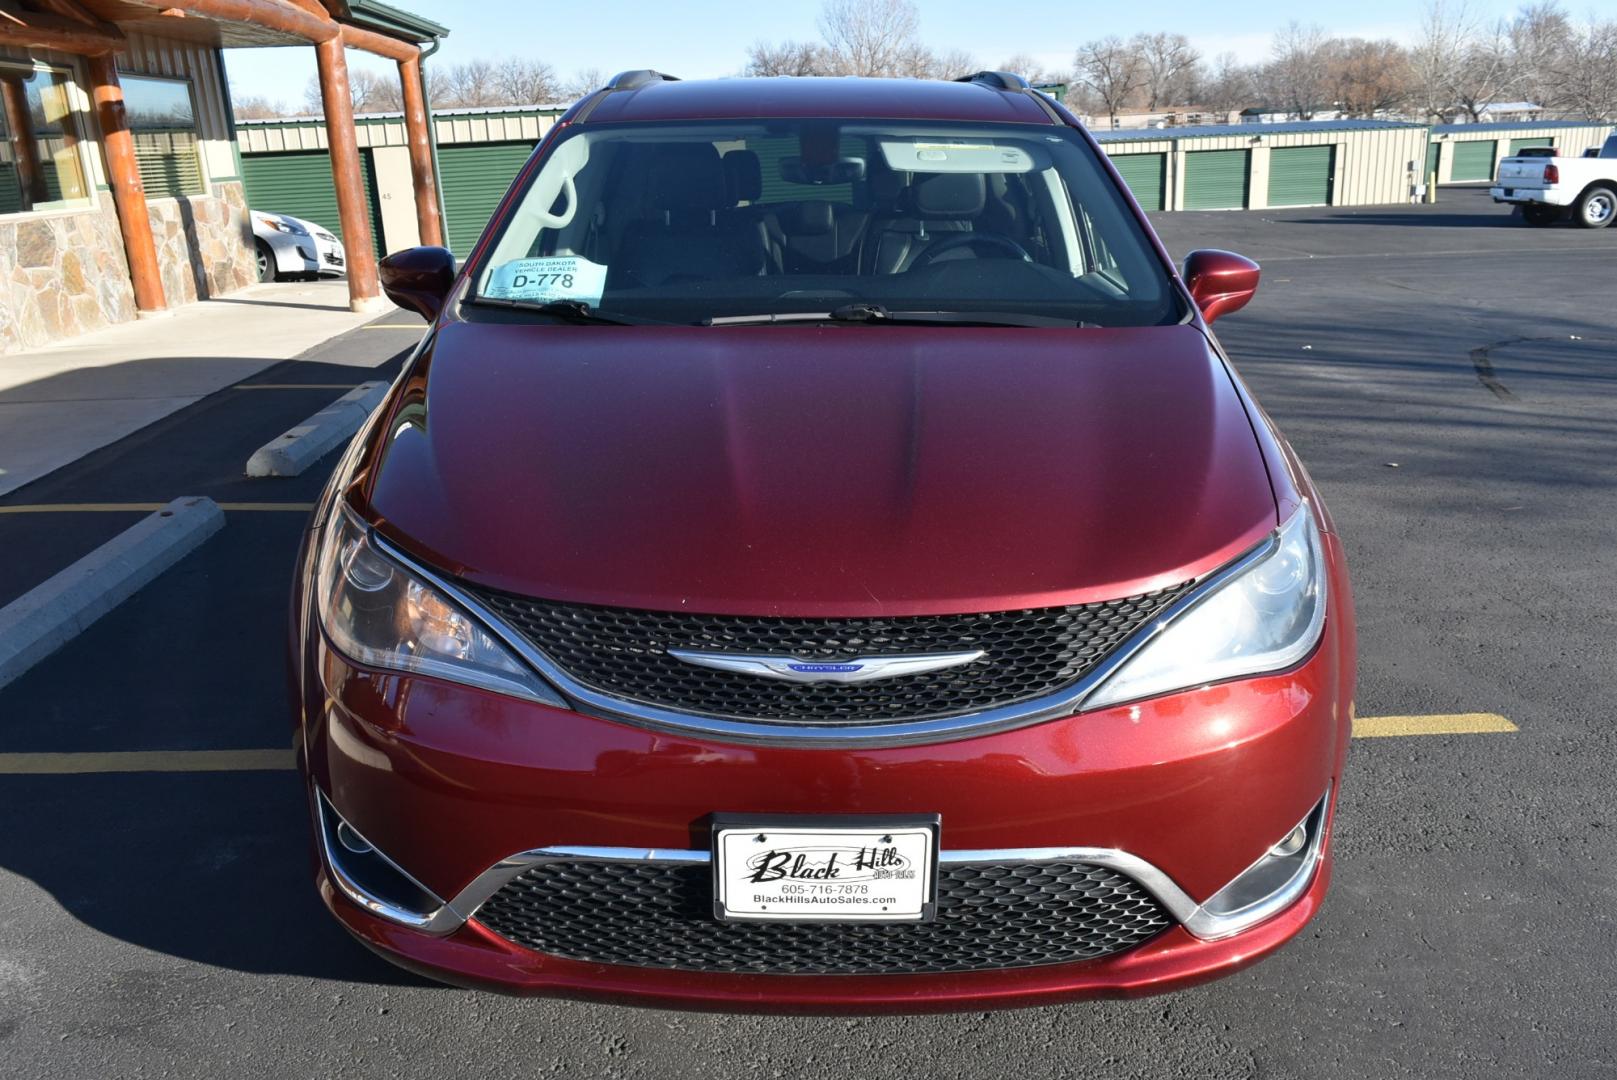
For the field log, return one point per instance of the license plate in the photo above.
(853, 869)
(1509, 192)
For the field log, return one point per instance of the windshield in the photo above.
(705, 221)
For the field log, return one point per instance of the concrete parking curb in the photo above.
(295, 450)
(48, 616)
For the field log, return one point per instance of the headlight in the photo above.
(284, 226)
(379, 614)
(1265, 618)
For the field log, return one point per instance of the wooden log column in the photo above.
(128, 192)
(363, 291)
(429, 222)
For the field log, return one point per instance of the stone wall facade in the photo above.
(61, 275)
(65, 274)
(204, 243)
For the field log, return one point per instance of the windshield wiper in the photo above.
(575, 311)
(876, 313)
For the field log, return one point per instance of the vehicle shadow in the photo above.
(214, 868)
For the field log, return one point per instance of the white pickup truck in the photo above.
(1548, 189)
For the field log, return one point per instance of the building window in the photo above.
(40, 164)
(163, 122)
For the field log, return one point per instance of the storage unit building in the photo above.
(479, 154)
(1255, 166)
(1470, 153)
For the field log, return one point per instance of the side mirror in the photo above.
(418, 279)
(1220, 282)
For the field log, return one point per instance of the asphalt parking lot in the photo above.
(1448, 375)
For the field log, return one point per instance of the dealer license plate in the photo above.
(803, 870)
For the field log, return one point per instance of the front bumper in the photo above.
(451, 782)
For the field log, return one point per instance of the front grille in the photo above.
(660, 915)
(1028, 654)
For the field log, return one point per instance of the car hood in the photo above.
(303, 223)
(820, 470)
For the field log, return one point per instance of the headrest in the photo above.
(743, 175)
(885, 185)
(687, 176)
(813, 218)
(949, 195)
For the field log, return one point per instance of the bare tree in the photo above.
(1485, 73)
(1585, 73)
(1111, 69)
(520, 81)
(1437, 54)
(1540, 36)
(950, 65)
(787, 58)
(369, 91)
(255, 107)
(1294, 78)
(1368, 77)
(1030, 69)
(583, 83)
(466, 85)
(1227, 86)
(870, 37)
(1166, 62)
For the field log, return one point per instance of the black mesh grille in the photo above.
(1029, 653)
(660, 915)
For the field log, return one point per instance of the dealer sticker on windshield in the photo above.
(557, 277)
(798, 870)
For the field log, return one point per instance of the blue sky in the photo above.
(698, 38)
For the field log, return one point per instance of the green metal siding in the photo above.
(475, 178)
(1216, 179)
(1518, 145)
(300, 184)
(1473, 161)
(1145, 175)
(1301, 175)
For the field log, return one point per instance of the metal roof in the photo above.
(1213, 131)
(1517, 125)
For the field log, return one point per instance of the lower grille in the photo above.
(991, 916)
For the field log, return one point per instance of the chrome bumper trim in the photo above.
(1194, 917)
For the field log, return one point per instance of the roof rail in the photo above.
(634, 80)
(999, 80)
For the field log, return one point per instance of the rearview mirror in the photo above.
(418, 279)
(1220, 282)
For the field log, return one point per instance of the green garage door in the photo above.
(1144, 174)
(475, 177)
(1301, 175)
(1472, 161)
(300, 184)
(1215, 180)
(1518, 145)
(1432, 151)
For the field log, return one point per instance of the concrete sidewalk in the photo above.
(61, 402)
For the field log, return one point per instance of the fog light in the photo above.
(1268, 886)
(371, 879)
(348, 838)
(1292, 844)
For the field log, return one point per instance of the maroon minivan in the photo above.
(819, 558)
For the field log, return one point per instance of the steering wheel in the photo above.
(942, 247)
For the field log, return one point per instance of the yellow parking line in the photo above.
(147, 761)
(294, 386)
(1479, 723)
(147, 508)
